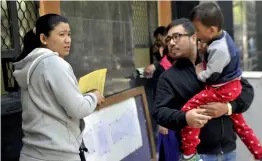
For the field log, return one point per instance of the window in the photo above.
(17, 18)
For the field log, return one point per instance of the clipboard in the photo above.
(93, 81)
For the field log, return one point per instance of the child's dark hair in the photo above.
(209, 14)
(160, 30)
(186, 23)
(44, 25)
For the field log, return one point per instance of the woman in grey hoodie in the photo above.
(51, 100)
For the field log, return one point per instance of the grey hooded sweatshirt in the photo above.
(52, 107)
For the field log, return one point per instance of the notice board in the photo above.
(121, 130)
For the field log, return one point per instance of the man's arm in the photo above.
(244, 100)
(170, 118)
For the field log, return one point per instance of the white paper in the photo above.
(114, 131)
(101, 138)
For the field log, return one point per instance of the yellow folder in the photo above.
(93, 80)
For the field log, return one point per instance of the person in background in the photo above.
(158, 51)
(168, 149)
(218, 138)
(52, 103)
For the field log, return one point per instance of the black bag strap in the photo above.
(82, 147)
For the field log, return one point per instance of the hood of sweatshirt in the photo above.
(25, 67)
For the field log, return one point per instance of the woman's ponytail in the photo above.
(31, 41)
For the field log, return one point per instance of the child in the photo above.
(221, 73)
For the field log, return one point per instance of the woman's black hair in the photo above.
(44, 25)
(160, 30)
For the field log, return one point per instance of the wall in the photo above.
(107, 32)
(252, 115)
(145, 21)
(142, 57)
(49, 7)
(164, 13)
(227, 9)
(182, 8)
(259, 33)
(101, 38)
(2, 83)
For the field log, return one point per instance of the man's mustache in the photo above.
(174, 48)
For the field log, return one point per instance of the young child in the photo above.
(222, 75)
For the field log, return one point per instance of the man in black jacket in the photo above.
(178, 84)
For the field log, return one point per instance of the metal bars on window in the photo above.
(144, 22)
(17, 17)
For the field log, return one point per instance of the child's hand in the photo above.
(202, 47)
(198, 68)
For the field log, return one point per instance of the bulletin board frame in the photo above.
(134, 92)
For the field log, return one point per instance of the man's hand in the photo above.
(215, 109)
(163, 130)
(149, 71)
(196, 118)
(100, 98)
(199, 68)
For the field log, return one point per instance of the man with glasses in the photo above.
(180, 83)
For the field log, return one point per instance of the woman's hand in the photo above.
(163, 130)
(202, 47)
(100, 98)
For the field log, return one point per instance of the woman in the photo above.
(157, 51)
(168, 147)
(51, 101)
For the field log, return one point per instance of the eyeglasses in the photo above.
(175, 37)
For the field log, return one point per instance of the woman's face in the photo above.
(59, 39)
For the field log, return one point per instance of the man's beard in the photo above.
(174, 56)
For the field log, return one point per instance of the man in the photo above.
(157, 52)
(178, 84)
